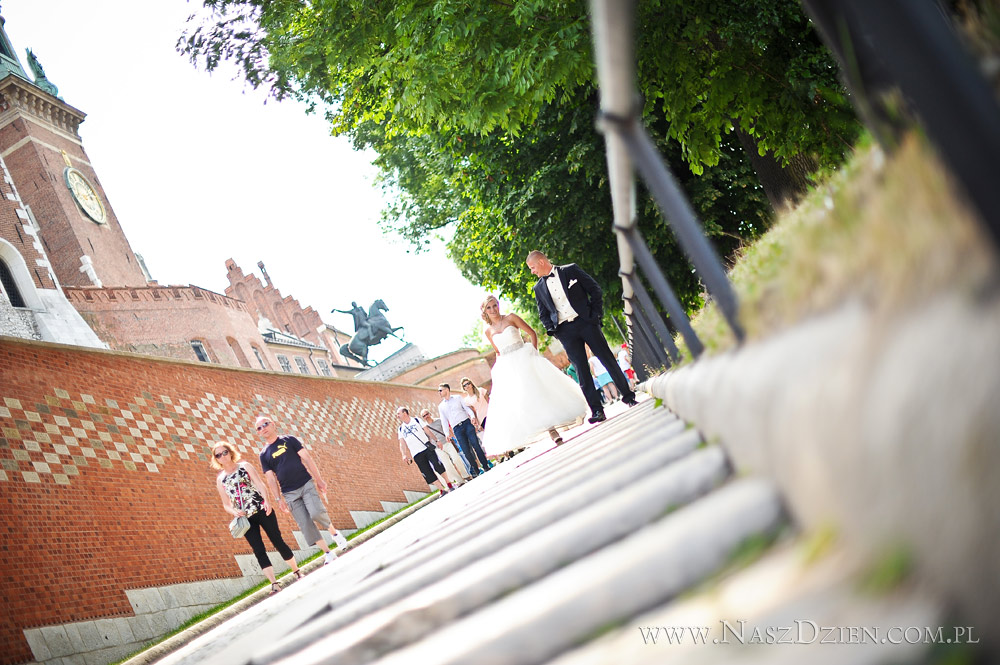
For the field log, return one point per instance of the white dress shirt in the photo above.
(559, 299)
(453, 411)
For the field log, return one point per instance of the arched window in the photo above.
(10, 286)
(238, 352)
(280, 321)
(301, 327)
(200, 351)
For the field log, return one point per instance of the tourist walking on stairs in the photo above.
(244, 493)
(286, 463)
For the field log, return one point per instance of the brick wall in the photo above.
(105, 482)
(162, 321)
(16, 229)
(450, 368)
(284, 312)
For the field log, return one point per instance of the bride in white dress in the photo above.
(529, 394)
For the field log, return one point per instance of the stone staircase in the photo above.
(592, 552)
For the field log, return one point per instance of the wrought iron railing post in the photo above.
(663, 291)
(913, 45)
(626, 141)
(676, 209)
(659, 326)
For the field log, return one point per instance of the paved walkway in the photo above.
(573, 554)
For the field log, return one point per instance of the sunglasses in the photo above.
(263, 425)
(221, 454)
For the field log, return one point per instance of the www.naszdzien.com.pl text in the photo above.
(804, 631)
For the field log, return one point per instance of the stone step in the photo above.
(521, 564)
(462, 536)
(159, 610)
(784, 609)
(645, 569)
(439, 597)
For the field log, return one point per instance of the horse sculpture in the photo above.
(369, 329)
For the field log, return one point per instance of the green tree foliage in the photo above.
(482, 114)
(547, 189)
(482, 65)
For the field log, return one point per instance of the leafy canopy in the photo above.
(480, 65)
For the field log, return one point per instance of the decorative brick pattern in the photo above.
(105, 480)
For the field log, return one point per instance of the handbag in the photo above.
(240, 524)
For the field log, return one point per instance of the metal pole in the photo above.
(666, 294)
(621, 332)
(656, 348)
(646, 303)
(615, 61)
(678, 212)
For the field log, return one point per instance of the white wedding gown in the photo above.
(529, 395)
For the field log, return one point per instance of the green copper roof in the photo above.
(9, 64)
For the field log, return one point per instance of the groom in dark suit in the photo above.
(569, 304)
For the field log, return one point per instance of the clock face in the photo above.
(85, 195)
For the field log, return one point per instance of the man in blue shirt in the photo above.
(287, 463)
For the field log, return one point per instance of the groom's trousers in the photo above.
(574, 335)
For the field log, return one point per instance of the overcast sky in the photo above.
(199, 170)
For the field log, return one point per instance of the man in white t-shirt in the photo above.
(415, 446)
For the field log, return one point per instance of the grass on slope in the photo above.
(886, 230)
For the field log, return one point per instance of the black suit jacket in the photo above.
(583, 294)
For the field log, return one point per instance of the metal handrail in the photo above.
(626, 141)
(647, 307)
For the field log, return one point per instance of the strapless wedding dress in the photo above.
(529, 395)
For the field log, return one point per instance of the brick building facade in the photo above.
(286, 315)
(104, 459)
(41, 144)
(64, 235)
(174, 321)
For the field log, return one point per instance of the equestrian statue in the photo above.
(369, 329)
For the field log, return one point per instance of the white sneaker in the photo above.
(338, 538)
(329, 558)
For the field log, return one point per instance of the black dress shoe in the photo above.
(598, 417)
(630, 402)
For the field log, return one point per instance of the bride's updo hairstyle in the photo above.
(482, 307)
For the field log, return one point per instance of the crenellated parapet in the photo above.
(150, 294)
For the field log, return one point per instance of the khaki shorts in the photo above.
(308, 510)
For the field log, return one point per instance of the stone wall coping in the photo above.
(4, 339)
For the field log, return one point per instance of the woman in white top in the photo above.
(529, 394)
(477, 398)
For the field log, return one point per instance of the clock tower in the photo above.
(41, 145)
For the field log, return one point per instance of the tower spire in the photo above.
(9, 63)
